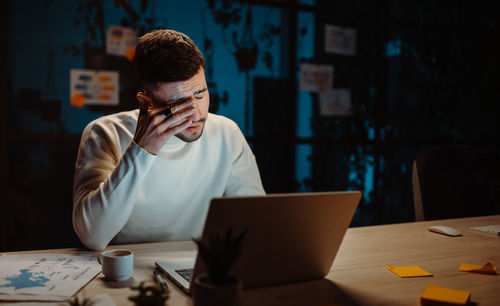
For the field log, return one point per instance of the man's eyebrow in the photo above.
(200, 91)
(175, 101)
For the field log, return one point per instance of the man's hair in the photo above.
(166, 56)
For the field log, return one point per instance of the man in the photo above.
(149, 174)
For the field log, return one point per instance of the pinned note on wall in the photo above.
(89, 87)
(336, 102)
(316, 78)
(121, 41)
(340, 40)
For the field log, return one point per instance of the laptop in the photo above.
(290, 237)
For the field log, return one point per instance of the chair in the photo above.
(454, 181)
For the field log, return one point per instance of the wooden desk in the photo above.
(358, 275)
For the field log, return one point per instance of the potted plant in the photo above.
(150, 295)
(218, 253)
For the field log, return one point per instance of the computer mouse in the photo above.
(445, 230)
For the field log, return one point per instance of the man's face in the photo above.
(194, 89)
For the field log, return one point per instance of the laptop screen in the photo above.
(290, 237)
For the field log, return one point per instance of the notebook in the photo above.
(489, 229)
(290, 237)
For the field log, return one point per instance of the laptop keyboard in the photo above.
(187, 274)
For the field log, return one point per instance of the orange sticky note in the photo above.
(488, 268)
(408, 271)
(435, 295)
(130, 54)
(77, 100)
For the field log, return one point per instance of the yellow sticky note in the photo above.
(435, 295)
(77, 100)
(488, 268)
(408, 271)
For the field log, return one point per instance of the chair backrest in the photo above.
(454, 181)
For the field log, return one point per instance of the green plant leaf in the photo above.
(220, 253)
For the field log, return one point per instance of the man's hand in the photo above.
(154, 128)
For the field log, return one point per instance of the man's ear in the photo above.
(144, 101)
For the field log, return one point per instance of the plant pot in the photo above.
(205, 294)
(247, 58)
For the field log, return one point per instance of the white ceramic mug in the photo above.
(117, 265)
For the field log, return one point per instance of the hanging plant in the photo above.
(243, 46)
(91, 14)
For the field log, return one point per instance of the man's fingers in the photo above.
(172, 124)
(178, 128)
(144, 102)
(175, 108)
(174, 119)
(180, 106)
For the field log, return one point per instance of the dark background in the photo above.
(425, 73)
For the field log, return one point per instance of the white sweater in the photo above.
(123, 194)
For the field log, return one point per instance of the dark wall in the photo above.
(425, 73)
(39, 194)
(3, 119)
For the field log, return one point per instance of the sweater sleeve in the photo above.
(244, 178)
(105, 185)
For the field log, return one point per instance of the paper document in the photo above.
(316, 78)
(50, 277)
(336, 102)
(120, 40)
(490, 229)
(91, 87)
(340, 40)
(90, 300)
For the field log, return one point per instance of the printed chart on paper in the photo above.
(45, 274)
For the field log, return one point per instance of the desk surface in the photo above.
(358, 275)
